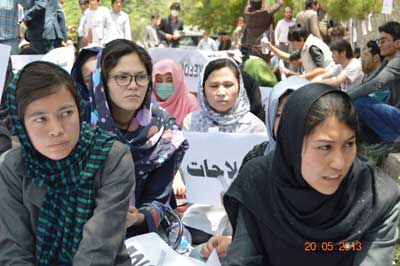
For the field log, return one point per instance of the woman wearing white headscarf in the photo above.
(224, 107)
(223, 101)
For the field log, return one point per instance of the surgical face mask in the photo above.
(174, 13)
(164, 90)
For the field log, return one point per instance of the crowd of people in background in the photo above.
(93, 157)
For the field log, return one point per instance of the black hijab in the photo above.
(282, 212)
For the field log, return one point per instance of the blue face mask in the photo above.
(164, 90)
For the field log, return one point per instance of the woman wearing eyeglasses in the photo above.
(121, 104)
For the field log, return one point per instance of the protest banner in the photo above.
(150, 250)
(212, 162)
(19, 61)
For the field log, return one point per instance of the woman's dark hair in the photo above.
(82, 60)
(341, 45)
(297, 33)
(335, 104)
(116, 49)
(218, 64)
(41, 79)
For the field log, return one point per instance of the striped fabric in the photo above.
(69, 185)
(8, 19)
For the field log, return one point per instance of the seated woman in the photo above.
(312, 200)
(224, 107)
(122, 100)
(260, 71)
(170, 90)
(82, 69)
(64, 181)
(276, 100)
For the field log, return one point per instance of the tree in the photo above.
(139, 12)
(346, 9)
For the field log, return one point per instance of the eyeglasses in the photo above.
(382, 41)
(141, 80)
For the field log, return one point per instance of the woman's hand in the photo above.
(178, 186)
(219, 243)
(134, 217)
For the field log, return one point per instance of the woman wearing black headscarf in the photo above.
(312, 201)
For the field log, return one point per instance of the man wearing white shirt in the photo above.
(98, 19)
(347, 73)
(207, 43)
(282, 29)
(120, 26)
(82, 25)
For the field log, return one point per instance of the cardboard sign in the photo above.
(150, 250)
(212, 162)
(191, 60)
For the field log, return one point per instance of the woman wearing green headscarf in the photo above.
(64, 192)
(260, 71)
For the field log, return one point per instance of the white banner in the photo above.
(387, 7)
(212, 162)
(191, 60)
(5, 51)
(19, 61)
(150, 250)
(62, 56)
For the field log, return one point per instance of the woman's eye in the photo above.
(122, 77)
(350, 144)
(228, 85)
(325, 147)
(39, 120)
(67, 113)
(141, 77)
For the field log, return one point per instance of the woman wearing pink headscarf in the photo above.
(170, 90)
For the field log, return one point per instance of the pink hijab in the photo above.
(181, 102)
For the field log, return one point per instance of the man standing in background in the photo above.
(170, 26)
(308, 18)
(98, 19)
(282, 29)
(9, 23)
(259, 18)
(150, 38)
(119, 26)
(82, 25)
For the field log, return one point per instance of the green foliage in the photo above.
(139, 11)
(215, 15)
(345, 9)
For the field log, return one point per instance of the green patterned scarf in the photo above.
(69, 186)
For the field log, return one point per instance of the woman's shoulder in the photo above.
(187, 121)
(12, 159)
(118, 151)
(255, 123)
